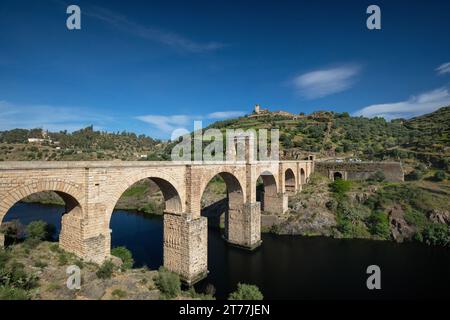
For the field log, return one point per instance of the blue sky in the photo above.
(150, 67)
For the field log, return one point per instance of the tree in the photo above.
(379, 225)
(246, 292)
(40, 230)
(125, 255)
(439, 175)
(415, 175)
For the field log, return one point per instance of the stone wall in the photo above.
(393, 171)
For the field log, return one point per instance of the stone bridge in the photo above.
(91, 189)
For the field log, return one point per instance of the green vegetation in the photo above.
(378, 223)
(246, 292)
(436, 234)
(168, 283)
(439, 175)
(340, 186)
(119, 294)
(40, 230)
(125, 255)
(106, 270)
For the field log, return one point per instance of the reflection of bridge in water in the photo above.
(90, 190)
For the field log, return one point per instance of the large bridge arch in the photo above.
(169, 187)
(73, 214)
(69, 192)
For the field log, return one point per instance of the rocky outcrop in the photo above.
(400, 229)
(439, 216)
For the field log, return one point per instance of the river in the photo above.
(285, 267)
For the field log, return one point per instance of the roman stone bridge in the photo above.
(91, 189)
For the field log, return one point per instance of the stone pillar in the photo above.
(276, 204)
(186, 246)
(71, 237)
(244, 226)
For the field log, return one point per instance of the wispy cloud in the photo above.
(165, 37)
(443, 68)
(53, 118)
(321, 83)
(414, 106)
(225, 114)
(165, 125)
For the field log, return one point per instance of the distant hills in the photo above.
(325, 133)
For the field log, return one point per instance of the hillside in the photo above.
(332, 134)
(84, 144)
(327, 134)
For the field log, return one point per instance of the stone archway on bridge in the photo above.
(233, 206)
(70, 233)
(289, 181)
(269, 192)
(302, 176)
(171, 200)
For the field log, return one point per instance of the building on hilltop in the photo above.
(258, 112)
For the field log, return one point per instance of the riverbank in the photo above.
(37, 270)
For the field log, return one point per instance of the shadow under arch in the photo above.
(302, 176)
(227, 208)
(266, 188)
(289, 181)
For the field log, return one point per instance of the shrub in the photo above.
(437, 234)
(379, 225)
(13, 231)
(106, 270)
(119, 294)
(439, 175)
(168, 283)
(15, 276)
(40, 264)
(246, 292)
(125, 255)
(63, 258)
(415, 175)
(4, 257)
(10, 293)
(40, 230)
(340, 186)
(378, 176)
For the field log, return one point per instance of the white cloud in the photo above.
(53, 118)
(168, 124)
(443, 68)
(414, 106)
(168, 38)
(321, 83)
(225, 114)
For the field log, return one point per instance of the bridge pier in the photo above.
(186, 246)
(2, 240)
(277, 203)
(243, 227)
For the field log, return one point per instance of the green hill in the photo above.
(332, 134)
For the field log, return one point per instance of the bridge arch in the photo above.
(302, 176)
(235, 191)
(270, 188)
(69, 193)
(167, 185)
(289, 181)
